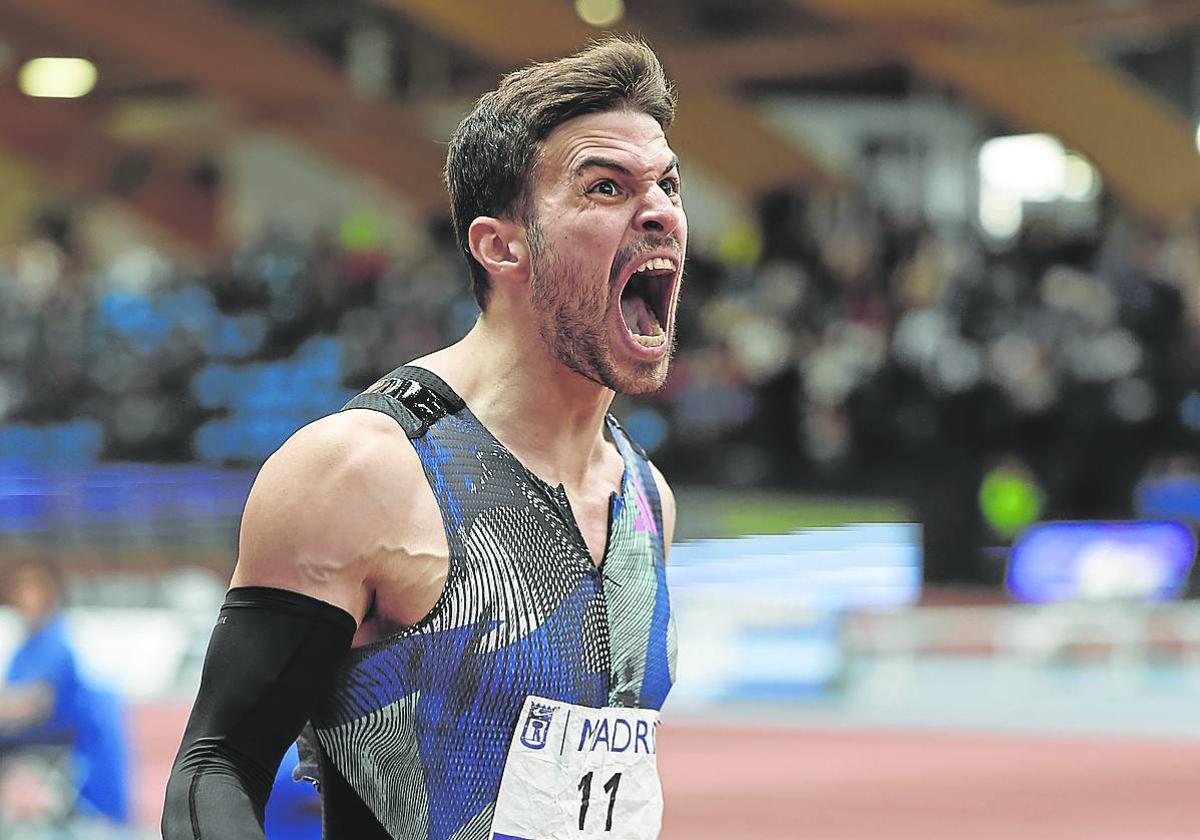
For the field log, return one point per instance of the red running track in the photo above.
(726, 782)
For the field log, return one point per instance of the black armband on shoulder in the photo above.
(272, 655)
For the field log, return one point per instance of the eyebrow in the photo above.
(609, 163)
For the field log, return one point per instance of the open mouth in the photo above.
(645, 298)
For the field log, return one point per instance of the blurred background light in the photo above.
(1000, 214)
(1031, 168)
(1010, 499)
(359, 231)
(62, 78)
(1064, 561)
(1081, 181)
(1027, 166)
(600, 13)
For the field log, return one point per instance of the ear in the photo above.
(500, 246)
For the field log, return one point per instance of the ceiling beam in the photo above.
(755, 58)
(270, 81)
(1144, 150)
(759, 58)
(500, 31)
(1091, 21)
(770, 58)
(726, 136)
(66, 140)
(1044, 82)
(998, 21)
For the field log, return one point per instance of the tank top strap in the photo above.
(414, 397)
(637, 469)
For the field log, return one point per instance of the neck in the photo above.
(549, 416)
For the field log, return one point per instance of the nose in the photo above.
(658, 214)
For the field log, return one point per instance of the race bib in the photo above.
(578, 773)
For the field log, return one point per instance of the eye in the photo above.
(670, 185)
(605, 187)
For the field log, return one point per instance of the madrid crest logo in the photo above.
(537, 725)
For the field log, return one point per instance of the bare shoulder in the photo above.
(667, 497)
(317, 505)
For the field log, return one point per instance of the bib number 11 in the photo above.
(568, 765)
(585, 789)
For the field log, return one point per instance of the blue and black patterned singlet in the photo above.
(414, 733)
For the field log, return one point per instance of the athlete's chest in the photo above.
(589, 519)
(587, 509)
(540, 533)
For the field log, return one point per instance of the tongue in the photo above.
(639, 317)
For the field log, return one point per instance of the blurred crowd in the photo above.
(827, 345)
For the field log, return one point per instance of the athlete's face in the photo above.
(605, 203)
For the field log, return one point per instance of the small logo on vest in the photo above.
(537, 725)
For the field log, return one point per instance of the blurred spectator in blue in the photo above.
(831, 344)
(45, 702)
(1171, 489)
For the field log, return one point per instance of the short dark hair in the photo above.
(494, 150)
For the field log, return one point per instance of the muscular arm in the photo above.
(299, 590)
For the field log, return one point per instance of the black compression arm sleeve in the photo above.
(272, 653)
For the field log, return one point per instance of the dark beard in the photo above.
(564, 307)
(574, 342)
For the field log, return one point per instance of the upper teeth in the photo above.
(655, 264)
